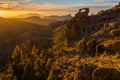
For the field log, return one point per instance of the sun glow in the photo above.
(10, 14)
(17, 14)
(1, 13)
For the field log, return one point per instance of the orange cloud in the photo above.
(49, 8)
(24, 5)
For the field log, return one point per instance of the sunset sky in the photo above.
(13, 8)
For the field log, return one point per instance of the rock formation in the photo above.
(100, 27)
(97, 39)
(83, 13)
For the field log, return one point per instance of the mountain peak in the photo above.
(33, 17)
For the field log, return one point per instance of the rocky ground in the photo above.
(96, 39)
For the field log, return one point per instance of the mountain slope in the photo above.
(38, 20)
(96, 39)
(46, 21)
(59, 18)
(92, 30)
(14, 32)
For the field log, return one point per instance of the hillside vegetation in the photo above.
(85, 48)
(14, 31)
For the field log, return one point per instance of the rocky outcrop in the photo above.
(82, 46)
(96, 28)
(100, 29)
(76, 25)
(82, 14)
(97, 41)
(85, 25)
(91, 47)
(86, 46)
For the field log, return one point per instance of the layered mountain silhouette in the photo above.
(46, 21)
(28, 15)
(30, 30)
(59, 18)
(38, 20)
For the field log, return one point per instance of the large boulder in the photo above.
(82, 46)
(91, 45)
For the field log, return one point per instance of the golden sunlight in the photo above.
(10, 14)
(5, 14)
(1, 13)
(15, 14)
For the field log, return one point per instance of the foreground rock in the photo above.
(75, 68)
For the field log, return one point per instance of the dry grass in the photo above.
(104, 61)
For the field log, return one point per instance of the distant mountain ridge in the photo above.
(28, 15)
(61, 18)
(46, 21)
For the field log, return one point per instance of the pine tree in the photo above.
(60, 44)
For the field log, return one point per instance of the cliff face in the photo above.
(84, 25)
(90, 33)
